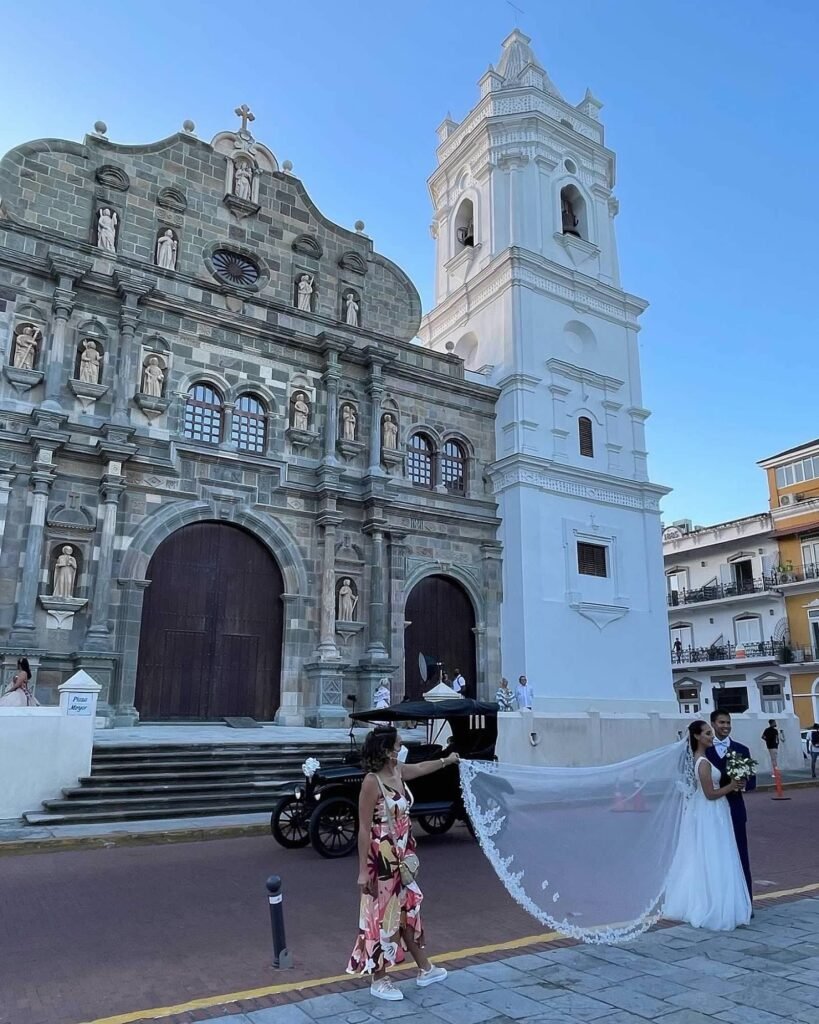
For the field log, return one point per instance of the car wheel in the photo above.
(290, 823)
(334, 827)
(437, 824)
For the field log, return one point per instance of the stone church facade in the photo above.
(231, 482)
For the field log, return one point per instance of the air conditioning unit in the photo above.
(785, 499)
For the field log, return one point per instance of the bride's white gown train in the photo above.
(706, 887)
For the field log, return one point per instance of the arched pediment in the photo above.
(353, 261)
(307, 245)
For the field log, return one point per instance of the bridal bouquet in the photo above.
(310, 767)
(740, 768)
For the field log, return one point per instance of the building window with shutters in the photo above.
(203, 414)
(453, 467)
(592, 559)
(248, 425)
(419, 460)
(586, 437)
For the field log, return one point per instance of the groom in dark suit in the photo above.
(718, 756)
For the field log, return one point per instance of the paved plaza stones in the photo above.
(764, 974)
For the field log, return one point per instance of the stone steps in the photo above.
(129, 783)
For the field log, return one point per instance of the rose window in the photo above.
(234, 268)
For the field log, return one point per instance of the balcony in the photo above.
(722, 591)
(722, 653)
(789, 576)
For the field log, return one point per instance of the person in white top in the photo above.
(458, 683)
(524, 694)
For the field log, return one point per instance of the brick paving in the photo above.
(91, 933)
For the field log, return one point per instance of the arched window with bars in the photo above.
(453, 467)
(420, 460)
(203, 414)
(249, 424)
(585, 435)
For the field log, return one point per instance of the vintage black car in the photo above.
(322, 808)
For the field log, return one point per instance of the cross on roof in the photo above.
(515, 7)
(246, 115)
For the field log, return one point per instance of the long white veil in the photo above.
(585, 850)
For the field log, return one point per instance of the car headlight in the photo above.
(299, 793)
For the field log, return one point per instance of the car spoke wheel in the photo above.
(334, 827)
(438, 823)
(290, 823)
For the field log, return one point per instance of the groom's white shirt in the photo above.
(721, 746)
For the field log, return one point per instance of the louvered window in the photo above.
(592, 559)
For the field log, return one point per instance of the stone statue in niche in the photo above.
(90, 363)
(107, 221)
(305, 293)
(347, 601)
(65, 573)
(351, 309)
(166, 249)
(152, 377)
(301, 411)
(349, 423)
(242, 180)
(25, 348)
(389, 431)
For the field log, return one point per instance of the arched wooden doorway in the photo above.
(441, 627)
(211, 637)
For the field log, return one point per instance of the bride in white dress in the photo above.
(706, 887)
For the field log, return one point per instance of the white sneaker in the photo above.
(430, 977)
(383, 988)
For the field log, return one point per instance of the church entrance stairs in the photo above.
(132, 782)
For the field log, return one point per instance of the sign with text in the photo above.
(79, 703)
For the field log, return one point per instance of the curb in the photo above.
(183, 835)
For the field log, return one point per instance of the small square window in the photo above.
(592, 559)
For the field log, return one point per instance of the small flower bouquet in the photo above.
(310, 767)
(739, 768)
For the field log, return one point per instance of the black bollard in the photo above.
(281, 954)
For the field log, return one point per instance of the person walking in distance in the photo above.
(390, 906)
(813, 747)
(717, 754)
(524, 694)
(771, 738)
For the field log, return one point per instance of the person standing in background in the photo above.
(813, 748)
(504, 696)
(525, 694)
(459, 683)
(771, 738)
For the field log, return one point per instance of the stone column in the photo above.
(42, 477)
(327, 648)
(63, 305)
(7, 475)
(111, 489)
(126, 384)
(375, 389)
(376, 648)
(129, 621)
(330, 380)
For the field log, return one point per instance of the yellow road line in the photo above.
(292, 986)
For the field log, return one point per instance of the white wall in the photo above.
(573, 739)
(43, 749)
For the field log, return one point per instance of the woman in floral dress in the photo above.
(390, 911)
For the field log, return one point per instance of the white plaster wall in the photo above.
(574, 740)
(41, 751)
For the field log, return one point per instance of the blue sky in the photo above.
(710, 106)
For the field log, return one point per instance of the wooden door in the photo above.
(211, 636)
(441, 627)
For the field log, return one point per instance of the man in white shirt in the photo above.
(524, 694)
(459, 683)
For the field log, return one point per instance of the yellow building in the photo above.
(793, 483)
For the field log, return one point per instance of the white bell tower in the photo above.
(528, 294)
